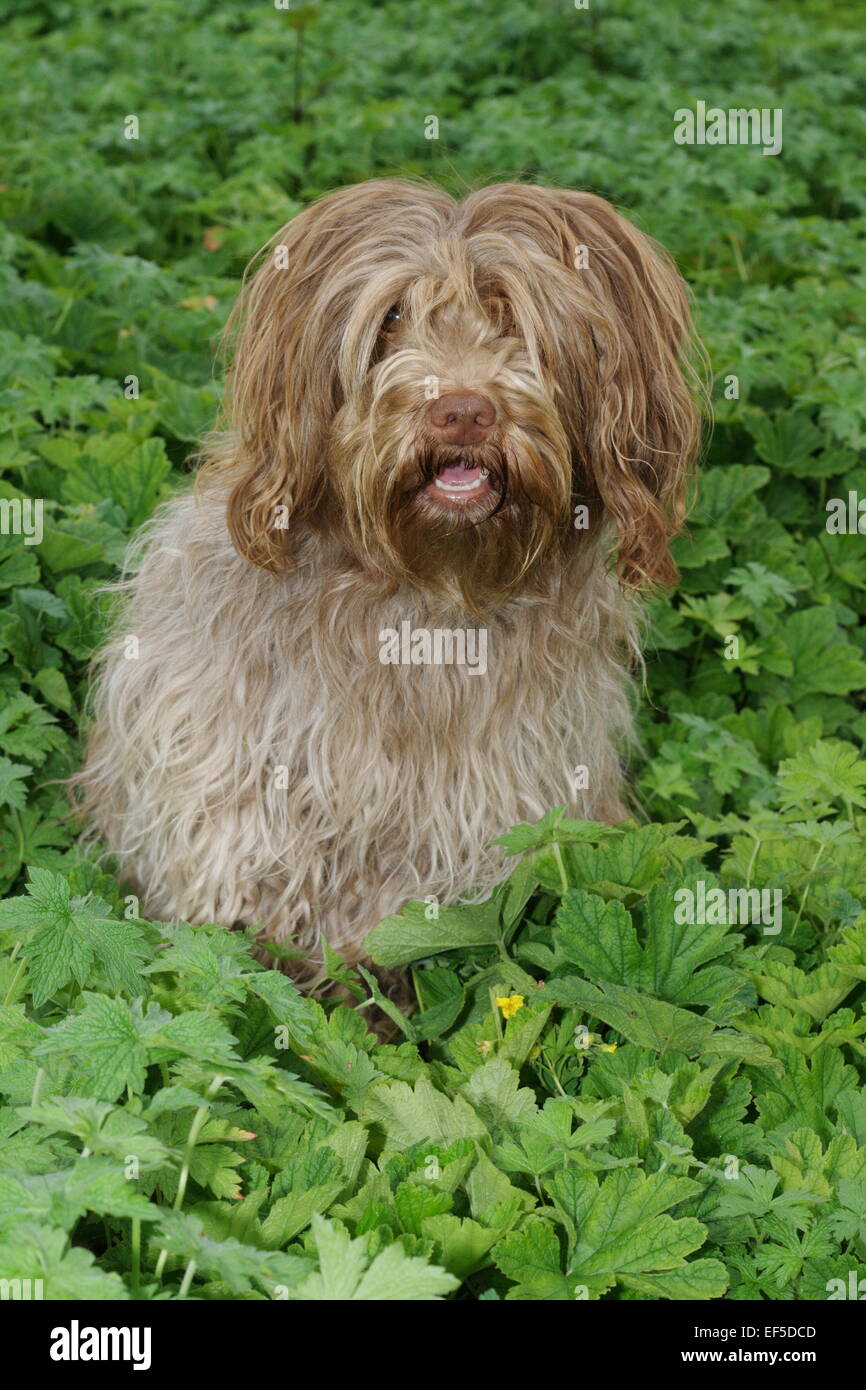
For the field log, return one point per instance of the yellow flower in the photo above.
(511, 1004)
(608, 1047)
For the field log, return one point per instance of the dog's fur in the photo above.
(256, 762)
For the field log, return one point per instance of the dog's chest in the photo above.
(399, 715)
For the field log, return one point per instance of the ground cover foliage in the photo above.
(598, 1097)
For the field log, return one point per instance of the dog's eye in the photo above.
(392, 319)
(507, 323)
(501, 316)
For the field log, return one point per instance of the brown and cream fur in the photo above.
(254, 761)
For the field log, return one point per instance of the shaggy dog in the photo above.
(448, 426)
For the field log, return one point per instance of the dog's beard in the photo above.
(480, 541)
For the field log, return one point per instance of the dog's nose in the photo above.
(463, 417)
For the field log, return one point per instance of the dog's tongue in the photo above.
(456, 473)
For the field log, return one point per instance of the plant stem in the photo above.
(16, 977)
(495, 1007)
(198, 1120)
(561, 866)
(37, 1085)
(21, 846)
(187, 1280)
(556, 1081)
(758, 843)
(135, 1246)
(815, 861)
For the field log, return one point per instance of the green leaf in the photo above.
(407, 1116)
(622, 1230)
(73, 938)
(442, 997)
(723, 489)
(52, 684)
(18, 564)
(107, 1044)
(27, 730)
(128, 470)
(598, 937)
(786, 439)
(286, 1003)
(414, 1202)
(13, 789)
(545, 1140)
(346, 1274)
(423, 929)
(35, 1251)
(531, 1258)
(294, 1212)
(241, 1266)
(101, 1128)
(95, 1184)
(495, 1094)
(651, 1023)
(555, 828)
(828, 771)
(822, 661)
(817, 992)
(460, 1244)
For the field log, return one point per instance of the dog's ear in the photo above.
(280, 395)
(284, 387)
(638, 427)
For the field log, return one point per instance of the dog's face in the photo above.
(442, 384)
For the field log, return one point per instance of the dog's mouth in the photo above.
(460, 480)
